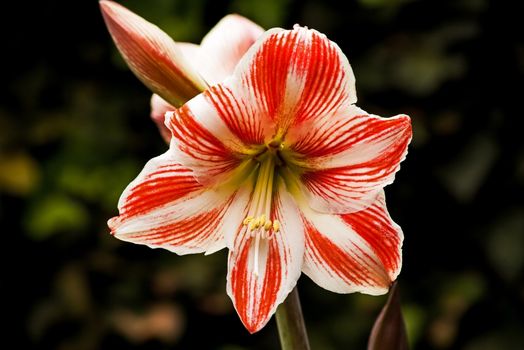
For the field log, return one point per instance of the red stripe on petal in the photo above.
(195, 137)
(268, 81)
(344, 170)
(296, 76)
(341, 132)
(351, 268)
(239, 288)
(353, 252)
(326, 78)
(166, 207)
(329, 136)
(272, 282)
(192, 231)
(166, 184)
(237, 115)
(385, 237)
(255, 296)
(205, 154)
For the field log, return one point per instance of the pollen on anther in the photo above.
(260, 225)
(247, 220)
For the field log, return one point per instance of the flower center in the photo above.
(259, 222)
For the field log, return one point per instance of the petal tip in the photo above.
(105, 4)
(375, 290)
(113, 224)
(404, 121)
(252, 329)
(111, 9)
(253, 325)
(407, 129)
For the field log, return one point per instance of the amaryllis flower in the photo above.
(176, 72)
(277, 164)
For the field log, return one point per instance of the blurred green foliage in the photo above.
(74, 130)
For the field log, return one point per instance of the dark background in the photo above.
(74, 130)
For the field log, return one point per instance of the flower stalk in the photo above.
(290, 322)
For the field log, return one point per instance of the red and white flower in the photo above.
(277, 164)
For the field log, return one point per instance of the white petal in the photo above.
(223, 47)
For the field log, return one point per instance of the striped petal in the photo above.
(223, 47)
(216, 130)
(165, 207)
(204, 143)
(152, 55)
(358, 252)
(295, 76)
(257, 295)
(348, 160)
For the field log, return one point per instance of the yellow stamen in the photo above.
(258, 222)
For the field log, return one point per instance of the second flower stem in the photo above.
(290, 323)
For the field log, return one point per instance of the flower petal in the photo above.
(152, 55)
(216, 130)
(223, 47)
(349, 160)
(256, 296)
(191, 53)
(358, 252)
(159, 108)
(296, 75)
(165, 207)
(204, 143)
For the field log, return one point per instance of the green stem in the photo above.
(290, 323)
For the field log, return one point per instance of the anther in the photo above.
(253, 224)
(247, 220)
